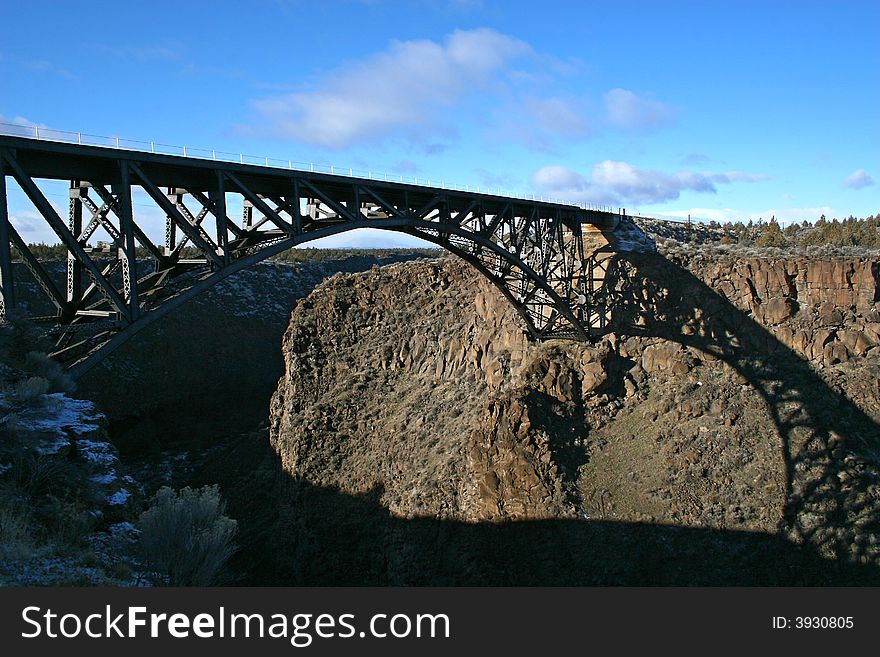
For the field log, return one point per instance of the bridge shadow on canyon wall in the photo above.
(300, 534)
(830, 447)
(320, 537)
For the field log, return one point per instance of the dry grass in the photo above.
(16, 539)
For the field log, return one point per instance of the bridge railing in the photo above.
(32, 131)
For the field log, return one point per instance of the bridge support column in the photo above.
(74, 267)
(7, 289)
(218, 199)
(170, 233)
(247, 216)
(126, 250)
(294, 206)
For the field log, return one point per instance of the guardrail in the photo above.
(124, 143)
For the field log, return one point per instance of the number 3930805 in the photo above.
(823, 622)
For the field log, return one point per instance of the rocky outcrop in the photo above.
(827, 310)
(414, 379)
(415, 384)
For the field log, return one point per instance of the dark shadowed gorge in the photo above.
(405, 431)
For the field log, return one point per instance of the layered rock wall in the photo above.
(826, 310)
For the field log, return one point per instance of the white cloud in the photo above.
(858, 179)
(736, 176)
(540, 122)
(29, 223)
(405, 87)
(559, 177)
(501, 181)
(649, 186)
(31, 226)
(19, 122)
(695, 158)
(626, 110)
(418, 88)
(569, 185)
(646, 185)
(615, 182)
(45, 66)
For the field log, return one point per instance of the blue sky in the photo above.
(721, 110)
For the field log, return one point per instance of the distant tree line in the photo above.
(851, 231)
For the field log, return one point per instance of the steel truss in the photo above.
(535, 252)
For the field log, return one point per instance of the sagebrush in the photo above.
(185, 535)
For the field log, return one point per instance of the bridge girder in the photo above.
(537, 253)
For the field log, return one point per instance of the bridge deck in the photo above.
(99, 165)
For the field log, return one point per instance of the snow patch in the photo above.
(97, 452)
(60, 417)
(629, 237)
(118, 498)
(104, 479)
(123, 529)
(52, 446)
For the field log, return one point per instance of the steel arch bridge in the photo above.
(549, 259)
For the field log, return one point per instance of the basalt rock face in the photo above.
(418, 379)
(826, 310)
(415, 386)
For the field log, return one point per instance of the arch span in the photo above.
(538, 290)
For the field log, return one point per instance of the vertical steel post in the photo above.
(170, 232)
(126, 250)
(74, 266)
(294, 205)
(247, 216)
(218, 198)
(7, 288)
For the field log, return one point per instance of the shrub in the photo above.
(27, 391)
(35, 475)
(185, 536)
(39, 364)
(18, 336)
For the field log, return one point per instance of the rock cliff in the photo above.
(412, 378)
(826, 310)
(732, 394)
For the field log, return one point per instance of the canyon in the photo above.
(398, 426)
